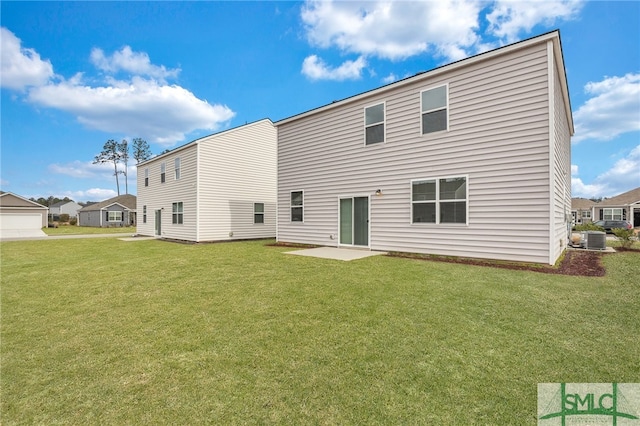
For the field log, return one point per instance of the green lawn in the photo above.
(81, 230)
(101, 331)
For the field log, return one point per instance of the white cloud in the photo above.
(136, 63)
(613, 109)
(92, 194)
(88, 170)
(623, 176)
(21, 67)
(390, 78)
(158, 112)
(316, 69)
(393, 30)
(509, 18)
(574, 170)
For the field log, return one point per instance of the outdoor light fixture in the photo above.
(378, 192)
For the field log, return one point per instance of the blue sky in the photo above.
(75, 74)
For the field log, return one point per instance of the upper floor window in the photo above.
(146, 177)
(177, 166)
(439, 200)
(258, 212)
(434, 104)
(177, 213)
(374, 124)
(163, 170)
(297, 206)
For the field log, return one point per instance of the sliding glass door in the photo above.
(354, 221)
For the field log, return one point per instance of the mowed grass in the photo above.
(102, 331)
(83, 230)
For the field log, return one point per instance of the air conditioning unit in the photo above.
(595, 240)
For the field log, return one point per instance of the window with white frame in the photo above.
(297, 206)
(374, 118)
(439, 200)
(586, 214)
(146, 177)
(144, 214)
(115, 216)
(177, 213)
(434, 104)
(177, 167)
(258, 212)
(612, 214)
(163, 170)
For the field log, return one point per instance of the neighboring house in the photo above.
(114, 212)
(19, 215)
(625, 206)
(582, 210)
(219, 187)
(469, 159)
(65, 207)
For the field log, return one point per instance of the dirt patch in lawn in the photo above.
(577, 263)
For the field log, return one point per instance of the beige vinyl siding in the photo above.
(498, 136)
(562, 170)
(237, 169)
(161, 196)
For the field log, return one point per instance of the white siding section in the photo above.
(221, 177)
(561, 169)
(498, 136)
(238, 169)
(161, 196)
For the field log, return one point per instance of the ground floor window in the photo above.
(612, 214)
(115, 216)
(586, 214)
(144, 214)
(439, 200)
(297, 206)
(177, 213)
(258, 212)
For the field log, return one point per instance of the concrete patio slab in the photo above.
(335, 253)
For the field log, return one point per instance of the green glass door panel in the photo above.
(361, 221)
(346, 220)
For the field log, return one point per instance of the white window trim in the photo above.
(437, 201)
(262, 213)
(383, 122)
(181, 213)
(446, 85)
(178, 167)
(291, 206)
(163, 171)
(586, 214)
(115, 220)
(146, 176)
(612, 210)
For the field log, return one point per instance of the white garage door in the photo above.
(11, 221)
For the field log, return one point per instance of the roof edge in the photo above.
(542, 38)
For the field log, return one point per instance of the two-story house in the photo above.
(219, 187)
(469, 159)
